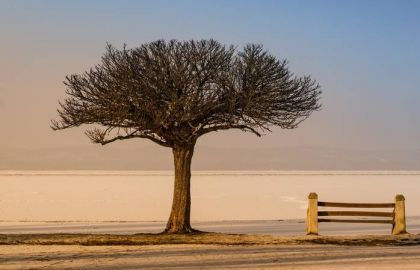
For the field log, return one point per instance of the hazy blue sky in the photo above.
(365, 54)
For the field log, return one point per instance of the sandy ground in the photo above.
(209, 257)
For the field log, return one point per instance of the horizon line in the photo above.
(204, 172)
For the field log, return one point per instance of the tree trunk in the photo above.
(179, 220)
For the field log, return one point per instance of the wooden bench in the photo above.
(396, 217)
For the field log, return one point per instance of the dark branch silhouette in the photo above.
(174, 92)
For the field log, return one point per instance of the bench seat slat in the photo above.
(356, 213)
(383, 221)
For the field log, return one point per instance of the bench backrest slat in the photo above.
(357, 205)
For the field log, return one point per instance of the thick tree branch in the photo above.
(224, 127)
(100, 136)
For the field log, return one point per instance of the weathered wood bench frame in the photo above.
(396, 218)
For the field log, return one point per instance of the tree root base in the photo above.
(182, 231)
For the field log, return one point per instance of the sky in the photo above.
(364, 54)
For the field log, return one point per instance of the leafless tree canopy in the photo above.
(174, 92)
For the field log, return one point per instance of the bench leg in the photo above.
(399, 226)
(312, 215)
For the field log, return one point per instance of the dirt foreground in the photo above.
(204, 238)
(207, 251)
(210, 257)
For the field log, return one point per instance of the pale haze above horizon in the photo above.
(364, 54)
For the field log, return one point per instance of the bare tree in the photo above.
(174, 92)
